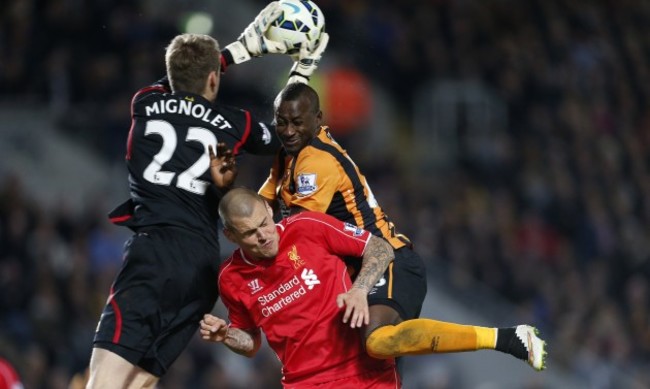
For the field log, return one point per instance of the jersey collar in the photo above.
(192, 97)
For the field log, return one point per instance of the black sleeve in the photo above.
(247, 133)
(262, 139)
(164, 82)
(226, 59)
(160, 86)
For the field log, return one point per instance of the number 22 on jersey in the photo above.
(187, 180)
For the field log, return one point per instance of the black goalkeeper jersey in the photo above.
(168, 162)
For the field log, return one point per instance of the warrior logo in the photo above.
(255, 286)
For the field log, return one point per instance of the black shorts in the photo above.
(403, 286)
(168, 280)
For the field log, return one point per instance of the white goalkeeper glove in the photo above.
(252, 42)
(307, 61)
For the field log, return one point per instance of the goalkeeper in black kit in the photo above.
(166, 282)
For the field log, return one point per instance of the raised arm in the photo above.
(214, 329)
(252, 42)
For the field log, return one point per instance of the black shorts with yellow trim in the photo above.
(403, 286)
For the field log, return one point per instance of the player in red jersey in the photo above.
(289, 280)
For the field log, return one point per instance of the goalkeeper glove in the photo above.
(307, 61)
(252, 42)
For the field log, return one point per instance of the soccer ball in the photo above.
(301, 21)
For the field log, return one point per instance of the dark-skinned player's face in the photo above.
(297, 122)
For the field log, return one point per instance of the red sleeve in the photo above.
(237, 312)
(341, 239)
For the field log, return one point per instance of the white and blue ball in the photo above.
(301, 21)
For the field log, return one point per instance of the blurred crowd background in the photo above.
(509, 139)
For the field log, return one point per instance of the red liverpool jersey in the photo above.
(292, 298)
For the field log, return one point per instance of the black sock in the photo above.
(508, 342)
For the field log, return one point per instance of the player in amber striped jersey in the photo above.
(314, 173)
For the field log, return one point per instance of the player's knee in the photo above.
(382, 342)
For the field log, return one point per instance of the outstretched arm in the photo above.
(307, 62)
(214, 329)
(376, 257)
(252, 42)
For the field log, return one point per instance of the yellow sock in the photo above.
(486, 337)
(426, 336)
